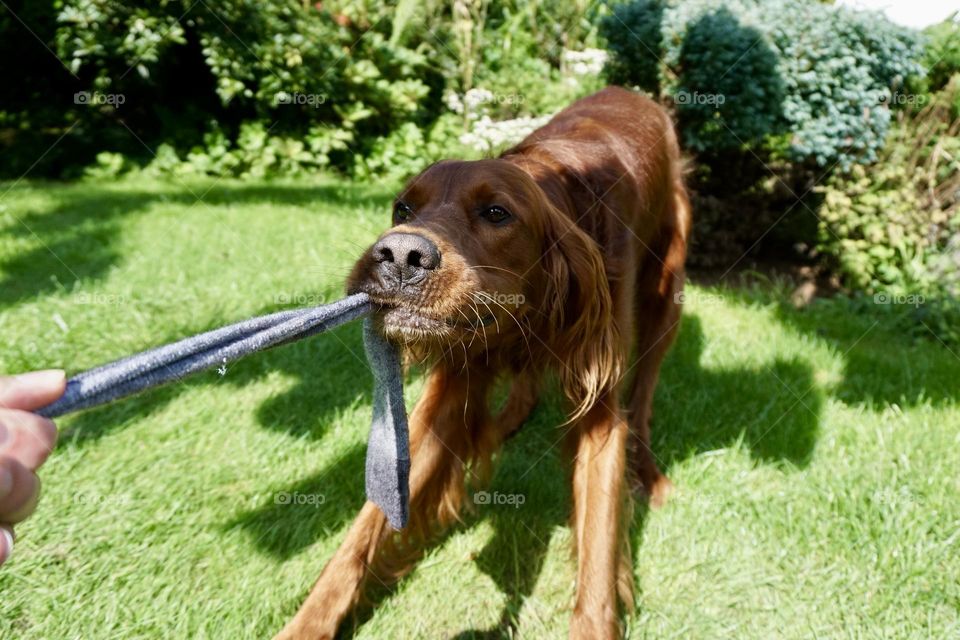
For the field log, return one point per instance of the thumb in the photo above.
(6, 543)
(32, 390)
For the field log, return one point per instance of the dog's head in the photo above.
(479, 259)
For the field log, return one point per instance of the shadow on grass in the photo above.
(77, 241)
(759, 408)
(284, 529)
(532, 467)
(331, 373)
(882, 364)
(77, 238)
(774, 409)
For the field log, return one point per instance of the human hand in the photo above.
(26, 440)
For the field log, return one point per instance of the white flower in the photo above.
(476, 97)
(453, 101)
(586, 62)
(488, 135)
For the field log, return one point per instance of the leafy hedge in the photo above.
(892, 230)
(808, 79)
(942, 53)
(244, 87)
(197, 75)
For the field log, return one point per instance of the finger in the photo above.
(6, 543)
(32, 390)
(22, 491)
(26, 437)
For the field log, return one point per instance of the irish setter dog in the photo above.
(566, 253)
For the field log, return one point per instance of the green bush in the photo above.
(942, 53)
(892, 230)
(808, 79)
(255, 153)
(253, 88)
(201, 75)
(728, 92)
(941, 58)
(409, 149)
(36, 98)
(634, 39)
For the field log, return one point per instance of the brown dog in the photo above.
(563, 253)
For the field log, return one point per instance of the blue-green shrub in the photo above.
(808, 79)
(634, 37)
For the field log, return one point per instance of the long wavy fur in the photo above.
(579, 315)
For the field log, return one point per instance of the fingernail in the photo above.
(43, 379)
(8, 540)
(6, 481)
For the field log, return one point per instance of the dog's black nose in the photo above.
(405, 257)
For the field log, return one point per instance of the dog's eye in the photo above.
(402, 212)
(496, 215)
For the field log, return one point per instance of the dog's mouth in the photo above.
(410, 322)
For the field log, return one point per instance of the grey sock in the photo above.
(388, 448)
(388, 456)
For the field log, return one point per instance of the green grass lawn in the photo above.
(815, 452)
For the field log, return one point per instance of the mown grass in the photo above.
(815, 452)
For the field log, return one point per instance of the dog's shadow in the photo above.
(697, 409)
(736, 405)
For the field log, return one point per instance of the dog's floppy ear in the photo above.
(579, 313)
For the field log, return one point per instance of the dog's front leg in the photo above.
(441, 428)
(598, 494)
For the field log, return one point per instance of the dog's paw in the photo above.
(297, 632)
(656, 492)
(603, 626)
(660, 492)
